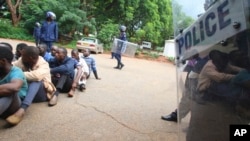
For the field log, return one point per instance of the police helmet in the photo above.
(37, 24)
(122, 28)
(51, 15)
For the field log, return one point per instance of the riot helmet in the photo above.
(51, 15)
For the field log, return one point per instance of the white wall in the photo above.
(169, 48)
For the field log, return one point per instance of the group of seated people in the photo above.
(217, 93)
(34, 75)
(216, 76)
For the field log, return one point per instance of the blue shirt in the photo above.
(47, 56)
(67, 66)
(90, 62)
(16, 73)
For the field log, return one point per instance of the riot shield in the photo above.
(213, 69)
(124, 47)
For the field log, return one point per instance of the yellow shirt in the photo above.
(40, 72)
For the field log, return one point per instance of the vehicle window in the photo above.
(89, 40)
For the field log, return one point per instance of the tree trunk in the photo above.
(15, 13)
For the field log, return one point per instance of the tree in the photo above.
(180, 19)
(153, 17)
(107, 33)
(14, 6)
(2, 2)
(69, 16)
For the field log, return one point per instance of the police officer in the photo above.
(37, 33)
(121, 45)
(49, 30)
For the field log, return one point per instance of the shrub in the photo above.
(8, 31)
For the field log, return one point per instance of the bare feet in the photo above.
(16, 117)
(71, 93)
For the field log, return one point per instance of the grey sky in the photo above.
(192, 7)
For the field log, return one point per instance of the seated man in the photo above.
(85, 69)
(43, 52)
(12, 83)
(210, 119)
(53, 50)
(90, 62)
(62, 70)
(216, 75)
(37, 73)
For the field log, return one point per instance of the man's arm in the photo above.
(10, 88)
(213, 74)
(64, 68)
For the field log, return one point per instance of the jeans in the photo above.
(36, 93)
(9, 104)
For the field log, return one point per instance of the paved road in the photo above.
(125, 105)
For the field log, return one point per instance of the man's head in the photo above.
(43, 49)
(61, 54)
(53, 50)
(85, 52)
(19, 48)
(50, 16)
(6, 57)
(30, 55)
(7, 45)
(219, 59)
(75, 54)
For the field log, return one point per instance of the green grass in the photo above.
(71, 45)
(8, 31)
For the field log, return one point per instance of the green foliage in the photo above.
(146, 20)
(154, 55)
(69, 15)
(9, 31)
(181, 20)
(159, 49)
(107, 33)
(171, 59)
(71, 44)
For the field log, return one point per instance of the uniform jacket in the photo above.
(49, 31)
(37, 32)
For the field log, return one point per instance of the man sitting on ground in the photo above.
(12, 83)
(85, 69)
(62, 70)
(91, 63)
(37, 73)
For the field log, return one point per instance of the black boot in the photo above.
(121, 66)
(118, 66)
